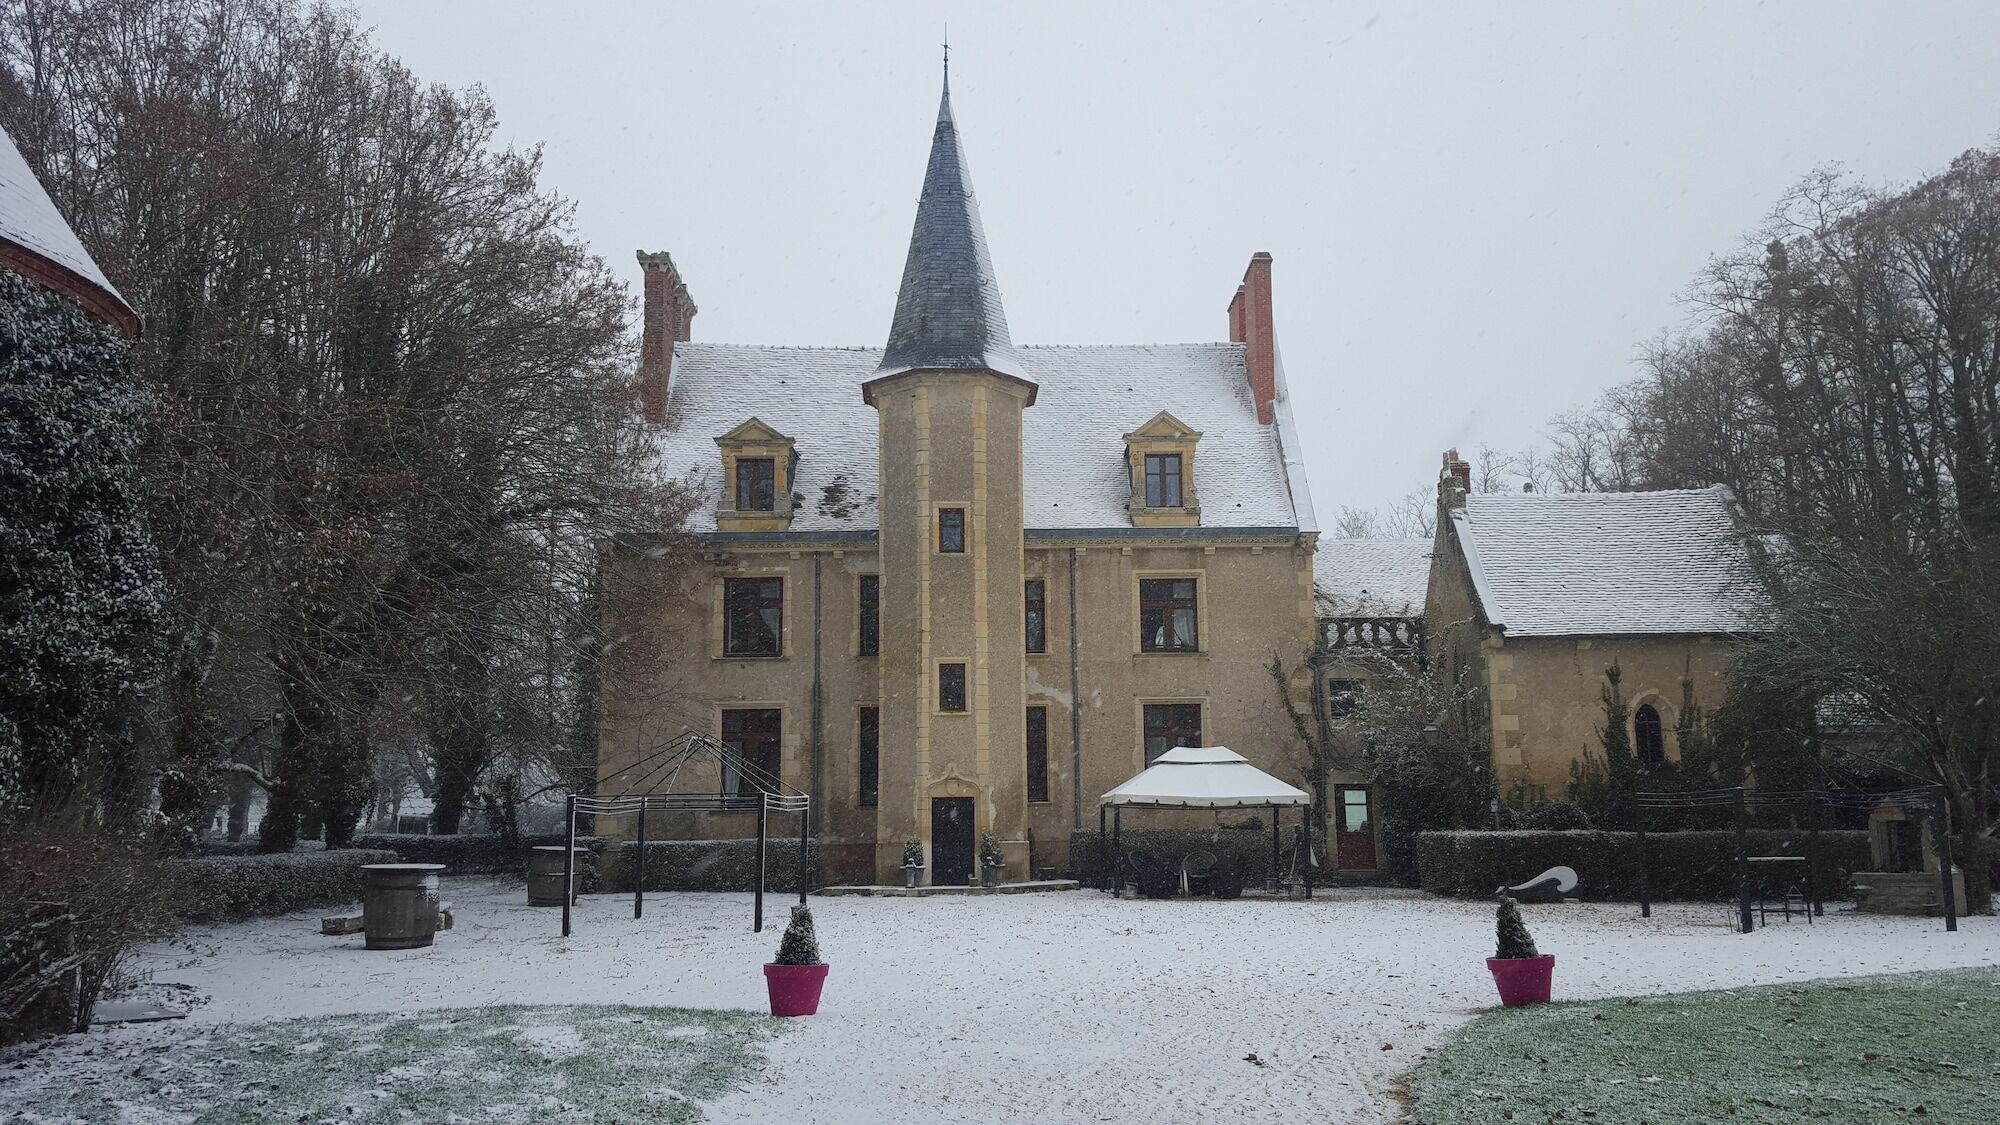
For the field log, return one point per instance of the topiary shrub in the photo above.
(800, 945)
(472, 853)
(1515, 942)
(710, 865)
(989, 850)
(913, 852)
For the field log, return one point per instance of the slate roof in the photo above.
(29, 219)
(1599, 563)
(1372, 577)
(948, 313)
(1072, 439)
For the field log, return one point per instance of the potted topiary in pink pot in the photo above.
(796, 977)
(1522, 973)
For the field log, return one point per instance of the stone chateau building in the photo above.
(951, 585)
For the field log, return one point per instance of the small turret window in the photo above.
(951, 530)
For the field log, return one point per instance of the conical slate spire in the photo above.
(948, 314)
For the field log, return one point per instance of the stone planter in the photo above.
(913, 877)
(399, 904)
(545, 874)
(992, 874)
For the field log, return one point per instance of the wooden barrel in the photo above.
(545, 874)
(399, 905)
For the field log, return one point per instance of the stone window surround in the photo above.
(1163, 433)
(1201, 618)
(719, 613)
(755, 441)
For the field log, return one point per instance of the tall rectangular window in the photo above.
(753, 616)
(951, 530)
(751, 737)
(1037, 623)
(871, 615)
(869, 761)
(1169, 725)
(1343, 698)
(756, 484)
(1038, 754)
(951, 687)
(1163, 480)
(1167, 615)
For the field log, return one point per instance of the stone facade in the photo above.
(993, 507)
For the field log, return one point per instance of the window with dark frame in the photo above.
(756, 484)
(1038, 755)
(951, 530)
(1163, 480)
(752, 737)
(753, 616)
(951, 687)
(1167, 615)
(1169, 725)
(1343, 698)
(869, 760)
(871, 615)
(1037, 623)
(1648, 739)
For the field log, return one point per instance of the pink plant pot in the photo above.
(794, 988)
(1523, 980)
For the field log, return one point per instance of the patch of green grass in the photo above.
(1923, 1047)
(489, 1065)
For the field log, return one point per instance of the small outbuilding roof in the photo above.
(1373, 577)
(1205, 777)
(29, 220)
(1610, 563)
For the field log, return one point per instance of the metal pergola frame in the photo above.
(1928, 798)
(1115, 854)
(652, 792)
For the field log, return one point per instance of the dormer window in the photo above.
(758, 466)
(1160, 459)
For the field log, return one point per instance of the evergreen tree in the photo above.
(1515, 940)
(80, 595)
(800, 945)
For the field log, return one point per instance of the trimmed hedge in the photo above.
(1243, 856)
(229, 887)
(469, 854)
(709, 865)
(1688, 866)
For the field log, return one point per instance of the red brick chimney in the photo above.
(1250, 325)
(669, 319)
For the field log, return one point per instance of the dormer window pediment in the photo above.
(758, 467)
(1160, 458)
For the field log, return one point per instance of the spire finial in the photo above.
(947, 52)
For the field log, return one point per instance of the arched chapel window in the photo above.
(1647, 738)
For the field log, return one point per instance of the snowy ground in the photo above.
(1068, 1006)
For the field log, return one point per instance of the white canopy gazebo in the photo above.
(1196, 777)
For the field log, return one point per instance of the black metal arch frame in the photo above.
(653, 791)
(1818, 802)
(1114, 848)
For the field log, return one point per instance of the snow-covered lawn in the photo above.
(1052, 1007)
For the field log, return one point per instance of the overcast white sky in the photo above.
(1478, 214)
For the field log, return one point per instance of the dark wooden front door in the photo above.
(1353, 829)
(951, 841)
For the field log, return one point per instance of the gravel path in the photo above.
(1067, 1006)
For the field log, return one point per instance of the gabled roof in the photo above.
(1074, 457)
(30, 221)
(948, 314)
(1372, 577)
(1206, 777)
(1602, 563)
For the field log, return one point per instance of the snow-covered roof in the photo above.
(1383, 577)
(1207, 777)
(1072, 439)
(1554, 564)
(29, 219)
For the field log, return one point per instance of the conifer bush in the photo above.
(1516, 942)
(800, 945)
(913, 852)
